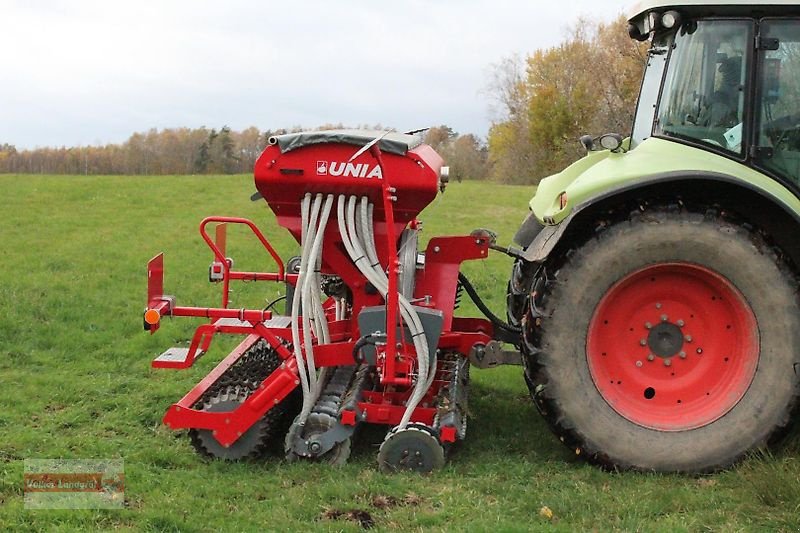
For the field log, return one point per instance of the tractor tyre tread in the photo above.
(555, 327)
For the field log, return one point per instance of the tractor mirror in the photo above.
(610, 141)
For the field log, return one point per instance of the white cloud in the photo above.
(95, 71)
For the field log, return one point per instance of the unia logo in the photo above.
(348, 170)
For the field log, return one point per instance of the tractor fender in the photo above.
(758, 205)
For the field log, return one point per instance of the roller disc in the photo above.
(251, 444)
(414, 449)
(316, 424)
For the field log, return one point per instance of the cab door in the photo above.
(777, 142)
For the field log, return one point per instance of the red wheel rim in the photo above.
(673, 346)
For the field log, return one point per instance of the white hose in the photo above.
(364, 256)
(414, 325)
(298, 352)
(307, 298)
(366, 214)
(313, 301)
(306, 319)
(315, 262)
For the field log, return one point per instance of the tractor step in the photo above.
(277, 321)
(173, 358)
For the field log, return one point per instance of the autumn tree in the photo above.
(249, 145)
(587, 84)
(466, 155)
(439, 136)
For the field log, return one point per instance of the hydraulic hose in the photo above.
(494, 319)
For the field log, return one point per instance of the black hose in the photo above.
(360, 343)
(482, 306)
(273, 302)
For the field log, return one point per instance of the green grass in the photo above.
(75, 382)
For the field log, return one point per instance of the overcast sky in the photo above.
(91, 72)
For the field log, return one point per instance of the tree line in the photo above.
(543, 103)
(208, 151)
(166, 151)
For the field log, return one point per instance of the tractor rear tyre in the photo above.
(666, 342)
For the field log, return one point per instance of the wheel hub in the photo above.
(672, 346)
(665, 340)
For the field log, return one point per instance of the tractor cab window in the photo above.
(779, 106)
(703, 99)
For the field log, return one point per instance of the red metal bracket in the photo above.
(219, 254)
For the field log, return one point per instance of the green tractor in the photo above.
(657, 286)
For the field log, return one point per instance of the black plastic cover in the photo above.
(528, 231)
(391, 142)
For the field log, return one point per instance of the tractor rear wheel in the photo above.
(666, 343)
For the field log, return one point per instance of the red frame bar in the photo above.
(245, 315)
(389, 374)
(220, 255)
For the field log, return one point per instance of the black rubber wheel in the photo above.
(725, 313)
(415, 449)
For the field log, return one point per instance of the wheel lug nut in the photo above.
(667, 362)
(682, 355)
(658, 306)
(680, 323)
(664, 318)
(643, 342)
(639, 364)
(648, 325)
(651, 357)
(699, 351)
(688, 338)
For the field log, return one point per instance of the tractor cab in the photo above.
(724, 78)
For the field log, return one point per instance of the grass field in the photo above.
(75, 382)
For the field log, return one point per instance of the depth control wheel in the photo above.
(666, 343)
(414, 448)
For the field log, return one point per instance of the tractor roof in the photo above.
(714, 7)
